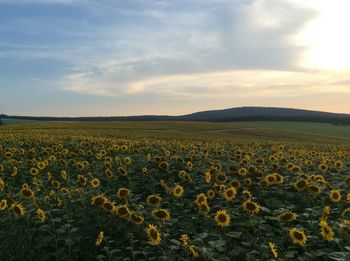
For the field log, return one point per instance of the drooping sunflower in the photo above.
(222, 218)
(298, 236)
(123, 193)
(41, 215)
(100, 238)
(230, 194)
(18, 209)
(136, 219)
(108, 173)
(122, 171)
(316, 190)
(251, 206)
(287, 216)
(207, 177)
(2, 184)
(27, 193)
(3, 204)
(153, 200)
(122, 211)
(273, 249)
(335, 195)
(193, 250)
(153, 234)
(178, 191)
(161, 214)
(98, 200)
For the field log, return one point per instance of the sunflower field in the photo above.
(81, 197)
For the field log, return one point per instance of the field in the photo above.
(172, 191)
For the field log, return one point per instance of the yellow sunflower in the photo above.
(136, 219)
(100, 238)
(335, 195)
(18, 209)
(230, 194)
(301, 184)
(222, 218)
(327, 232)
(153, 234)
(98, 201)
(287, 216)
(273, 249)
(161, 214)
(178, 191)
(122, 211)
(251, 206)
(27, 193)
(3, 204)
(95, 182)
(153, 200)
(298, 236)
(123, 193)
(41, 215)
(210, 194)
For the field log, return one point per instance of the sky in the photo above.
(138, 57)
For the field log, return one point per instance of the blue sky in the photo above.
(110, 57)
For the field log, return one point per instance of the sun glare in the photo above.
(327, 37)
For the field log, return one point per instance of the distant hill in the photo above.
(226, 115)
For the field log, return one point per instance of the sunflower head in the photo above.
(161, 214)
(273, 250)
(178, 191)
(287, 217)
(153, 234)
(230, 193)
(298, 236)
(335, 195)
(123, 193)
(153, 200)
(251, 206)
(222, 218)
(18, 209)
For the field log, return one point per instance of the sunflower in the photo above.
(327, 232)
(193, 251)
(33, 171)
(316, 190)
(41, 215)
(242, 172)
(185, 240)
(298, 236)
(3, 204)
(348, 197)
(100, 238)
(204, 207)
(161, 214)
(270, 179)
(122, 171)
(236, 184)
(339, 164)
(82, 180)
(98, 201)
(300, 184)
(27, 193)
(178, 191)
(153, 200)
(279, 178)
(18, 209)
(201, 198)
(287, 216)
(221, 178)
(109, 206)
(122, 211)
(95, 182)
(323, 167)
(207, 177)
(136, 219)
(123, 193)
(335, 195)
(210, 194)
(230, 194)
(108, 173)
(251, 206)
(2, 185)
(222, 218)
(153, 234)
(273, 249)
(247, 194)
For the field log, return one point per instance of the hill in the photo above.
(226, 115)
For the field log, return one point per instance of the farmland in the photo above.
(172, 191)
